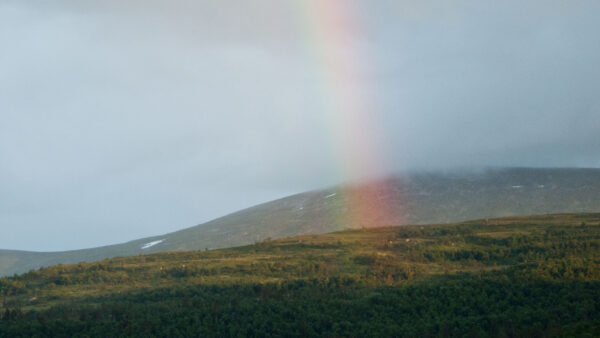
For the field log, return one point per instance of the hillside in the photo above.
(423, 198)
(518, 276)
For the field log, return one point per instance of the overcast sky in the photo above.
(124, 119)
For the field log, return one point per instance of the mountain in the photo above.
(534, 276)
(418, 198)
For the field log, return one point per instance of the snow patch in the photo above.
(151, 244)
(517, 186)
(330, 195)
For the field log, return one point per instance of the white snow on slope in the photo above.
(330, 195)
(151, 244)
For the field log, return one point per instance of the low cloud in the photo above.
(119, 121)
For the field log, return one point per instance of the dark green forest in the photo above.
(523, 276)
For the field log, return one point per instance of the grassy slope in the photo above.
(512, 276)
(417, 199)
(388, 255)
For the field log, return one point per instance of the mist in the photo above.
(120, 121)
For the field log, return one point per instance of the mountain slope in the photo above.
(424, 198)
(533, 276)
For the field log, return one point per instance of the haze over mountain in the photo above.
(420, 198)
(123, 119)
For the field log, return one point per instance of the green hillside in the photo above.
(422, 198)
(518, 276)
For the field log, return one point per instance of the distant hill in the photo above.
(420, 198)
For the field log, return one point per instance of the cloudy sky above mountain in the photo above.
(120, 120)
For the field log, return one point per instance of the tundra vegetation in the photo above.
(520, 276)
(418, 198)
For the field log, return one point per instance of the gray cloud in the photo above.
(122, 120)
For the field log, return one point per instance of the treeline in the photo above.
(465, 305)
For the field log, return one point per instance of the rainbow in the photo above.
(342, 67)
